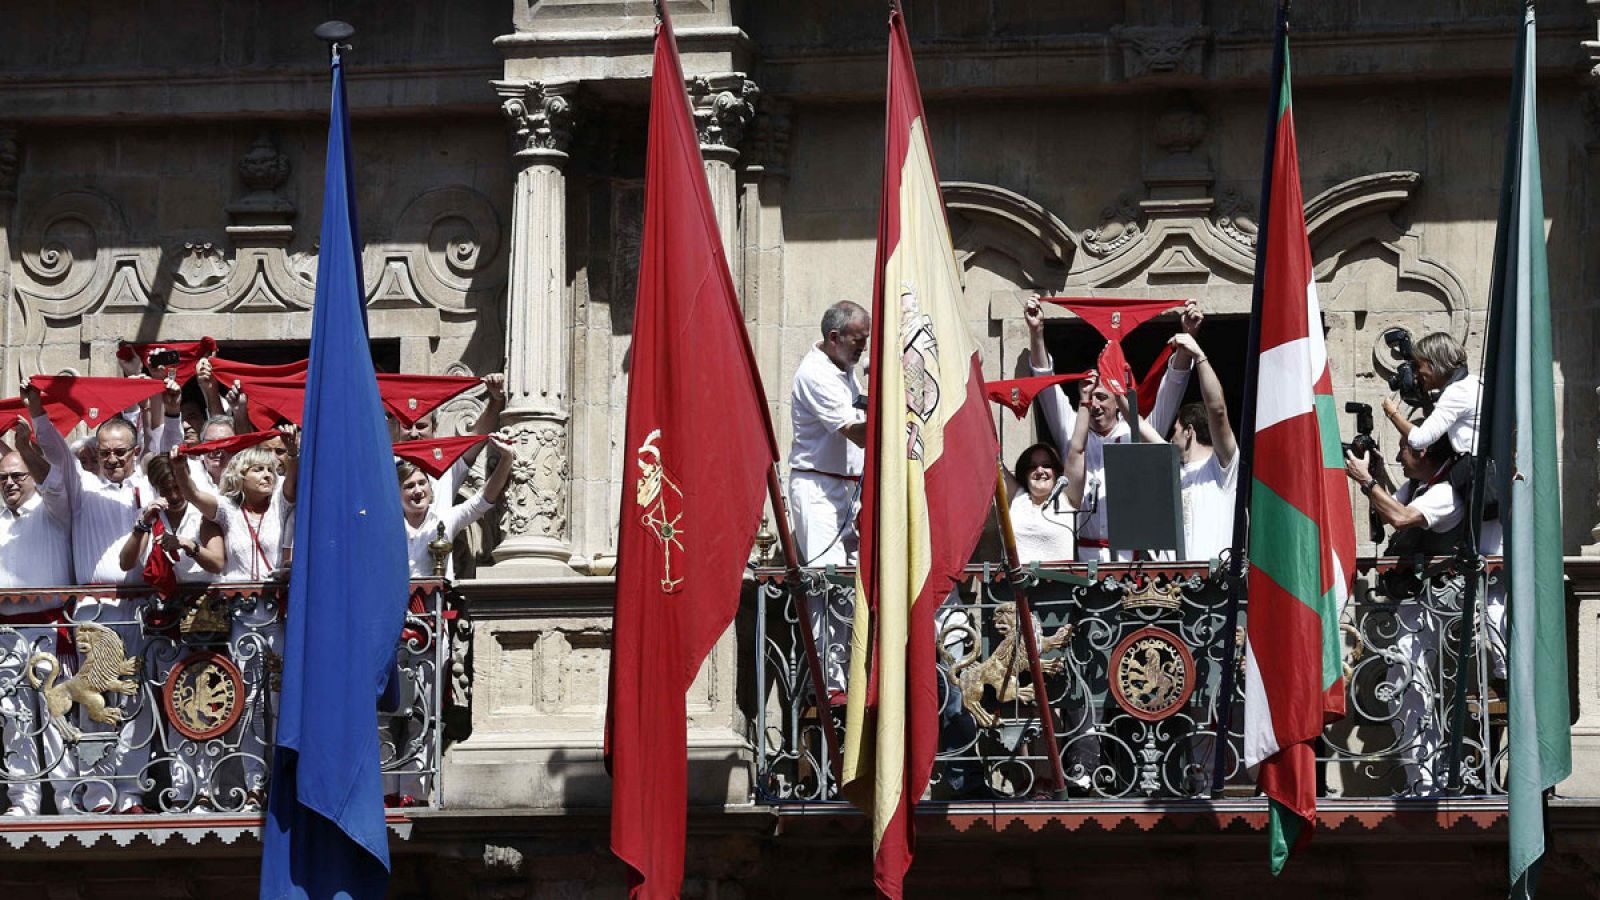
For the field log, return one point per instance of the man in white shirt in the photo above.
(1427, 516)
(1209, 453)
(105, 509)
(825, 462)
(1106, 425)
(825, 459)
(35, 552)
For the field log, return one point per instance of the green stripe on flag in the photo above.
(1332, 648)
(1328, 427)
(1282, 541)
(1283, 830)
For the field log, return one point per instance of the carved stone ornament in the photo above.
(1153, 52)
(767, 152)
(723, 106)
(263, 208)
(536, 499)
(200, 266)
(1119, 226)
(540, 115)
(1235, 217)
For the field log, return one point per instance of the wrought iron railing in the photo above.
(1133, 659)
(115, 701)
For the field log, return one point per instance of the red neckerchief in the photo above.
(92, 400)
(412, 397)
(436, 455)
(230, 444)
(1114, 319)
(189, 354)
(159, 572)
(1017, 394)
(227, 371)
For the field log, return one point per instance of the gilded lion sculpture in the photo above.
(104, 669)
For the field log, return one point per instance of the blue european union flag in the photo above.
(325, 835)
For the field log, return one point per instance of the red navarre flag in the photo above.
(699, 447)
(927, 487)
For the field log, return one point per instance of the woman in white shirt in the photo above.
(1442, 367)
(254, 510)
(1043, 523)
(424, 516)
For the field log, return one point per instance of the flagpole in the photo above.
(1247, 418)
(795, 583)
(1041, 696)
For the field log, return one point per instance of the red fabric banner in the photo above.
(271, 400)
(189, 355)
(695, 463)
(91, 400)
(227, 371)
(436, 455)
(410, 398)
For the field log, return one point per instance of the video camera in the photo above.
(1404, 380)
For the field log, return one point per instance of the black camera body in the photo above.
(163, 358)
(1363, 445)
(1404, 381)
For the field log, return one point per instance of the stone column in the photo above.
(723, 106)
(535, 520)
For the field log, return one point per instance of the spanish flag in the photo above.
(927, 486)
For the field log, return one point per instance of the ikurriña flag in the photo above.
(699, 448)
(1301, 534)
(927, 485)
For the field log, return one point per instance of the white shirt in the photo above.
(1455, 414)
(454, 518)
(822, 404)
(446, 485)
(1437, 505)
(103, 512)
(1043, 534)
(36, 543)
(188, 528)
(1208, 494)
(254, 545)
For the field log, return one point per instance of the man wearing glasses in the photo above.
(35, 551)
(105, 509)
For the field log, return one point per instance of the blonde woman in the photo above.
(254, 508)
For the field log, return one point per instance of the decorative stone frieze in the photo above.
(1159, 51)
(540, 115)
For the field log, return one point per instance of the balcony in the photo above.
(1133, 658)
(170, 713)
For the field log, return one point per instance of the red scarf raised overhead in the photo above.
(1116, 319)
(436, 455)
(90, 400)
(230, 444)
(227, 371)
(411, 398)
(189, 355)
(1016, 394)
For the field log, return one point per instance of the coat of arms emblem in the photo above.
(660, 507)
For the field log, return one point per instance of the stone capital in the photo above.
(723, 106)
(540, 115)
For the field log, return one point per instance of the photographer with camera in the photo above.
(1437, 363)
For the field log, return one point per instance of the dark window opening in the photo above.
(1074, 346)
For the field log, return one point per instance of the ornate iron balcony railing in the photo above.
(1132, 661)
(112, 700)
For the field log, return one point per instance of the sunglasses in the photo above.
(13, 477)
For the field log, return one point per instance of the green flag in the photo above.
(1519, 421)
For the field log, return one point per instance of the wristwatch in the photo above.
(1366, 486)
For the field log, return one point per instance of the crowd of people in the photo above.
(171, 492)
(1058, 488)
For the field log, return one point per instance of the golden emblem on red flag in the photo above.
(660, 506)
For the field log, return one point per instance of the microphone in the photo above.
(1055, 492)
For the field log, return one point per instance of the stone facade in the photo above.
(160, 172)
